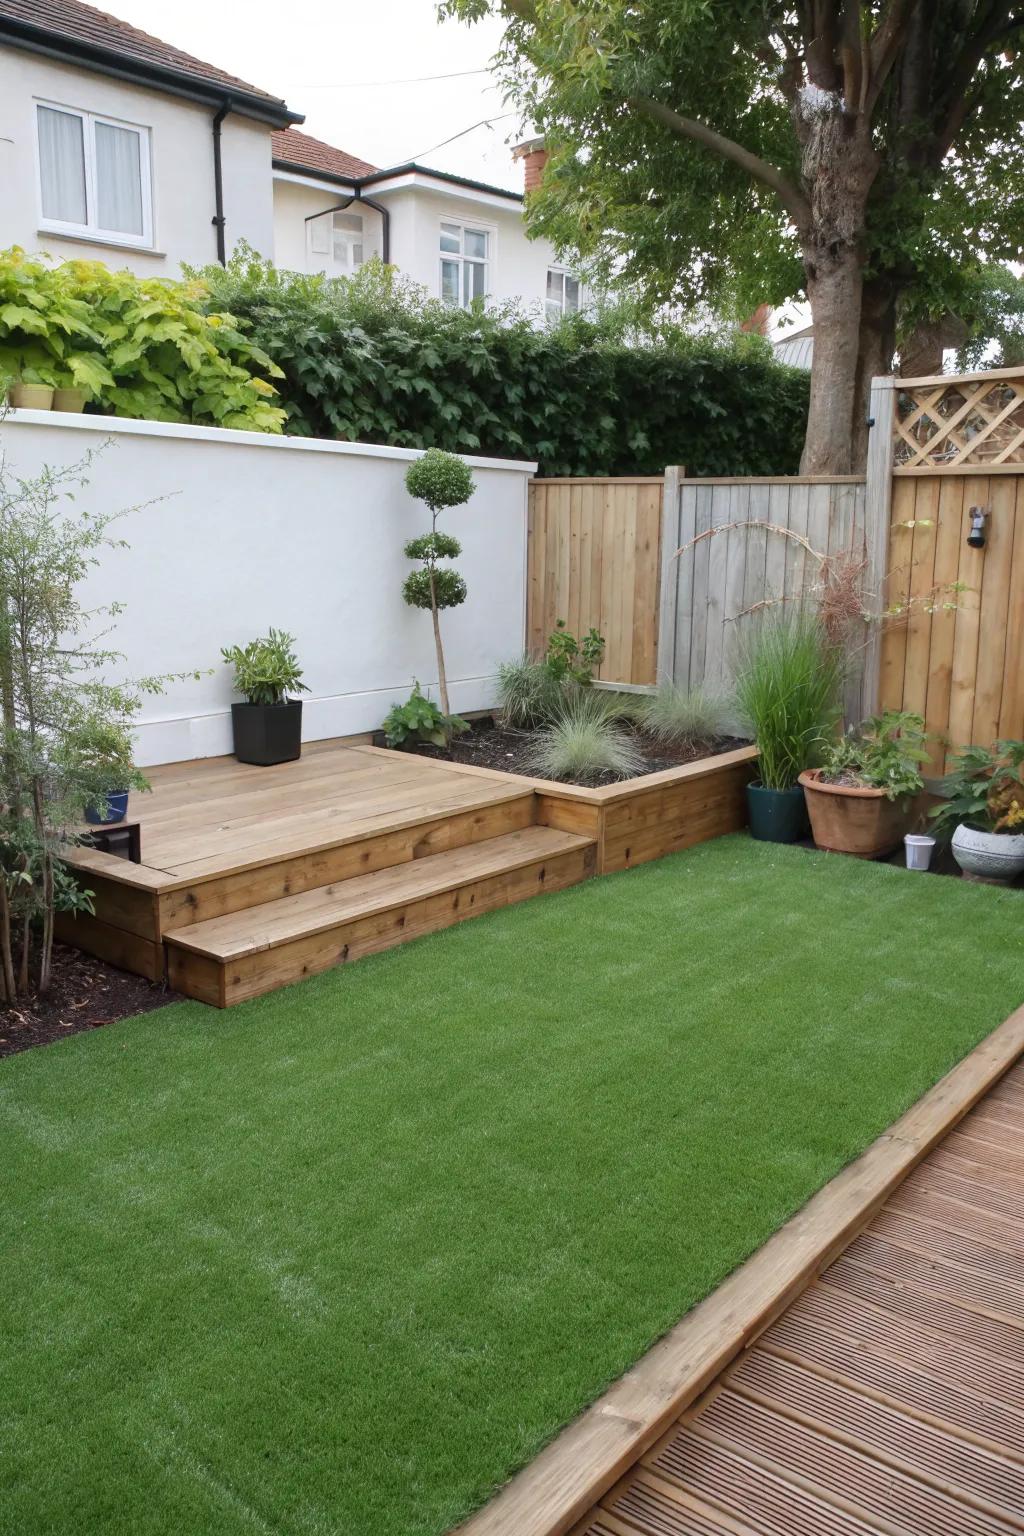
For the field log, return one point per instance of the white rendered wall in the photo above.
(294, 203)
(181, 142)
(300, 534)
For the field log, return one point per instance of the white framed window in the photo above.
(337, 237)
(465, 262)
(94, 175)
(562, 294)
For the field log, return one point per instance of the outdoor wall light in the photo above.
(976, 537)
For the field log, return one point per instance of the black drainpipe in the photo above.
(357, 197)
(218, 184)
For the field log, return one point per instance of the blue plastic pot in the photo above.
(116, 809)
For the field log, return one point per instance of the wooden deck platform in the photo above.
(873, 1357)
(255, 877)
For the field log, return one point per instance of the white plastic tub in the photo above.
(919, 849)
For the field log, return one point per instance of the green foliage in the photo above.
(266, 670)
(984, 789)
(440, 479)
(885, 752)
(569, 660)
(581, 744)
(139, 347)
(650, 209)
(528, 695)
(788, 686)
(449, 588)
(681, 717)
(373, 359)
(65, 732)
(420, 720)
(992, 304)
(433, 546)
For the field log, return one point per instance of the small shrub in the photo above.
(886, 752)
(789, 682)
(583, 744)
(420, 720)
(527, 693)
(574, 661)
(266, 670)
(683, 719)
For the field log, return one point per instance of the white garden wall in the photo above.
(250, 531)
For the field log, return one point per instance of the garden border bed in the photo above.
(643, 818)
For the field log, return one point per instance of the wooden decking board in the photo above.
(888, 1397)
(315, 911)
(1003, 1340)
(890, 1434)
(832, 1470)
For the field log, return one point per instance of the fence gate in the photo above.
(593, 559)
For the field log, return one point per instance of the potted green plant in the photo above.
(67, 394)
(268, 725)
(861, 797)
(788, 685)
(984, 809)
(31, 390)
(100, 765)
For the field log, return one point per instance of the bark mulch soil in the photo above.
(85, 994)
(492, 746)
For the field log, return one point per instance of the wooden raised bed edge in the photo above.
(565, 1480)
(644, 818)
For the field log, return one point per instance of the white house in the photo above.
(120, 147)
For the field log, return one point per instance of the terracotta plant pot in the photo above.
(69, 399)
(862, 822)
(31, 397)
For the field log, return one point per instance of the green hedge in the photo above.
(374, 360)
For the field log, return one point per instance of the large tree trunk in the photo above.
(838, 168)
(834, 290)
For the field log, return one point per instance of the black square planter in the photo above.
(267, 733)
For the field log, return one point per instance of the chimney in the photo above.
(756, 324)
(534, 157)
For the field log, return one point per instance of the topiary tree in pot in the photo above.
(442, 480)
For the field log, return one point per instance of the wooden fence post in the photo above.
(665, 659)
(877, 504)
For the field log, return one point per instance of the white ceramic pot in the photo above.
(988, 855)
(919, 847)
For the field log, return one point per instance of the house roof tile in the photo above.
(89, 28)
(289, 147)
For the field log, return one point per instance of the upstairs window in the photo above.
(94, 176)
(339, 237)
(562, 295)
(465, 256)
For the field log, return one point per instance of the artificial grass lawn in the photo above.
(340, 1260)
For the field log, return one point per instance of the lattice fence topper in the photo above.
(946, 423)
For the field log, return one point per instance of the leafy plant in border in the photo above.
(681, 717)
(420, 720)
(441, 480)
(583, 744)
(984, 789)
(267, 670)
(885, 752)
(569, 660)
(528, 695)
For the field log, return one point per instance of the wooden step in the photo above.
(243, 954)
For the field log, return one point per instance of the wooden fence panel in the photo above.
(957, 657)
(594, 559)
(747, 565)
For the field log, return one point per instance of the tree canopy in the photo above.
(868, 154)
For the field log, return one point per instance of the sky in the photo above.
(356, 71)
